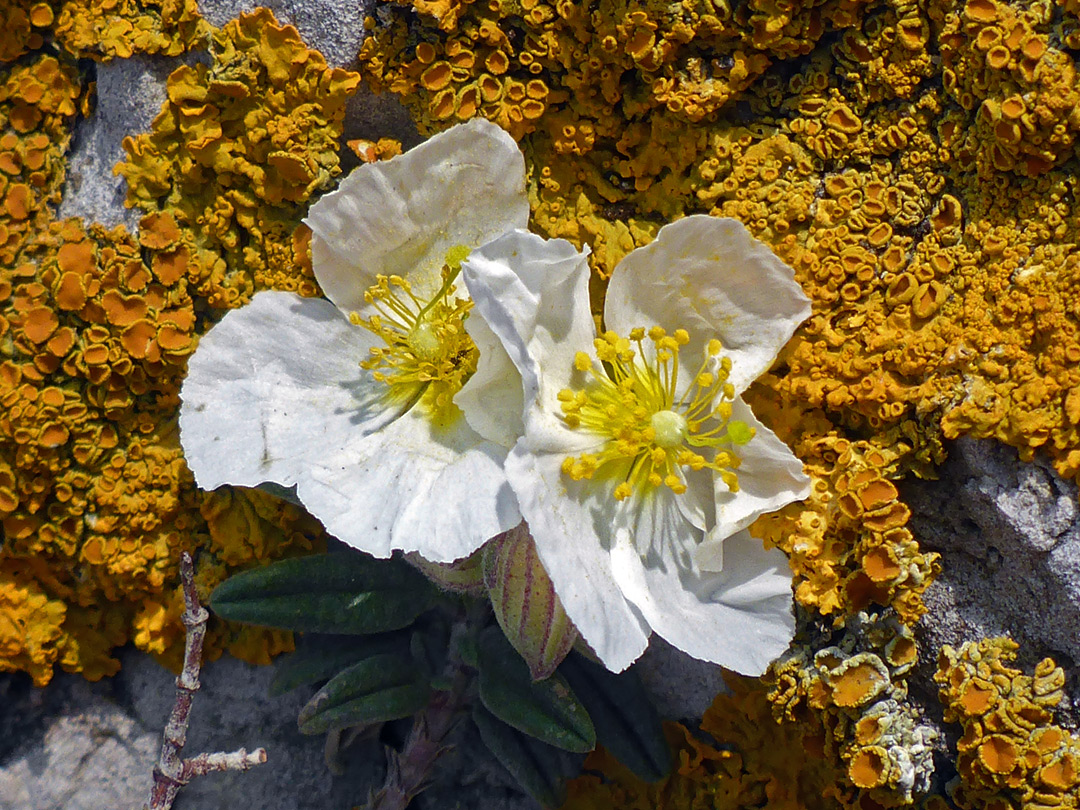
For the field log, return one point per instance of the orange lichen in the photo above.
(105, 30)
(1010, 753)
(855, 691)
(755, 762)
(238, 147)
(848, 542)
(96, 327)
(31, 622)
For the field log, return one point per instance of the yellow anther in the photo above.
(455, 256)
(675, 483)
(426, 354)
(648, 431)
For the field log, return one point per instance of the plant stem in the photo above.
(172, 772)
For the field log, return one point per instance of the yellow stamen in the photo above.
(651, 436)
(427, 354)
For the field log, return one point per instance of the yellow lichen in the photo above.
(855, 691)
(96, 327)
(237, 149)
(754, 762)
(120, 28)
(1011, 754)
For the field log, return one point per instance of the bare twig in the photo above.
(173, 772)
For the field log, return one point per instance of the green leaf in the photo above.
(348, 592)
(319, 657)
(380, 688)
(538, 767)
(546, 710)
(626, 721)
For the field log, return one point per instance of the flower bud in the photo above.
(525, 603)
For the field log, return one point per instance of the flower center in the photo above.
(427, 354)
(669, 428)
(651, 435)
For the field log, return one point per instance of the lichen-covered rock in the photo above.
(95, 330)
(1011, 754)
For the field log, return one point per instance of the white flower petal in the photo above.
(770, 477)
(464, 186)
(740, 618)
(273, 385)
(413, 486)
(275, 393)
(534, 294)
(709, 276)
(572, 535)
(491, 398)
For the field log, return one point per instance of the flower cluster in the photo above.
(455, 385)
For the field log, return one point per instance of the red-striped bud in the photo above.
(526, 605)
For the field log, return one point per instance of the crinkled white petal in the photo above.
(464, 186)
(709, 276)
(491, 398)
(740, 618)
(770, 477)
(573, 538)
(273, 385)
(441, 492)
(534, 294)
(275, 393)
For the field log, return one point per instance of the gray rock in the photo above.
(682, 687)
(1009, 536)
(91, 755)
(130, 93)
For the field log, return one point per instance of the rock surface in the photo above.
(1008, 532)
(81, 746)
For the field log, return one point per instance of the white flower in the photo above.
(354, 400)
(639, 461)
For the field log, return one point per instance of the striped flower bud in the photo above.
(525, 603)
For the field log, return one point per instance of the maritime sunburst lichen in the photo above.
(95, 330)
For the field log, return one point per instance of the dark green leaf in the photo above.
(348, 592)
(626, 721)
(546, 710)
(319, 657)
(380, 688)
(538, 767)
